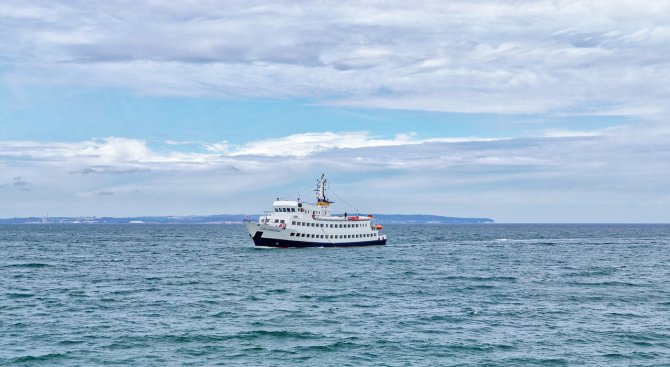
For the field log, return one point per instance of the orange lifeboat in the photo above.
(370, 216)
(378, 226)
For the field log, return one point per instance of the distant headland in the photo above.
(232, 219)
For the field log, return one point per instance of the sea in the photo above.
(435, 295)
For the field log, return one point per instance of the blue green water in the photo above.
(447, 295)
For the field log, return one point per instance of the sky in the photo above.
(521, 111)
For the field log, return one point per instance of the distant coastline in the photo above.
(232, 219)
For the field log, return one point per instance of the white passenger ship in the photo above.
(299, 224)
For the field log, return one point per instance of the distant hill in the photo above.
(233, 218)
(426, 219)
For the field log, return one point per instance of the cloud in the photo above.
(305, 144)
(558, 177)
(101, 152)
(19, 181)
(105, 193)
(89, 170)
(492, 56)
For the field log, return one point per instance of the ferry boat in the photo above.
(299, 224)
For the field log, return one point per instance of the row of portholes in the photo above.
(328, 225)
(332, 236)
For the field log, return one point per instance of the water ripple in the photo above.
(471, 295)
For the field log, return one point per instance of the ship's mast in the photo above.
(321, 185)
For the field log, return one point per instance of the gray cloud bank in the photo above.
(577, 56)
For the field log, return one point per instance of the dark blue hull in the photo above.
(271, 242)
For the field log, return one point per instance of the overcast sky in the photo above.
(522, 111)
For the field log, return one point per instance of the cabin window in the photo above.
(302, 235)
(276, 220)
(321, 225)
(292, 234)
(281, 221)
(293, 209)
(293, 223)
